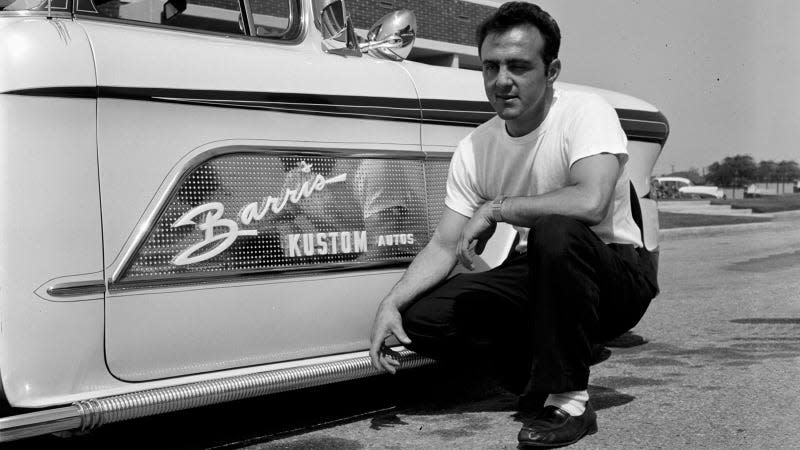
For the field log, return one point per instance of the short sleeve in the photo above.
(595, 129)
(462, 196)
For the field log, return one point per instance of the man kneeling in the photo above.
(553, 164)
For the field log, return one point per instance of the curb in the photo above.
(716, 230)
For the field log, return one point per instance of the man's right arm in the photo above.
(429, 267)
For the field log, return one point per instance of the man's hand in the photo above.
(474, 235)
(429, 268)
(387, 323)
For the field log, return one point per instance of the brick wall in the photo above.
(451, 21)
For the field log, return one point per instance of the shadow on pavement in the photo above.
(626, 340)
(604, 397)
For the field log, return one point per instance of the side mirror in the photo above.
(392, 37)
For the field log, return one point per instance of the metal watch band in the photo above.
(497, 205)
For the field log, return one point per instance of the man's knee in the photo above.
(554, 235)
(424, 323)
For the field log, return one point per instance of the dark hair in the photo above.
(513, 14)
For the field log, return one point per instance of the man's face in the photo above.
(515, 77)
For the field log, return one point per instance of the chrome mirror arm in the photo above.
(392, 37)
(352, 46)
(393, 41)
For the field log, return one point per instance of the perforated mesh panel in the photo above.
(436, 182)
(253, 212)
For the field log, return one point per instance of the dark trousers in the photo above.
(535, 317)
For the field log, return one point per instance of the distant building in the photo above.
(445, 28)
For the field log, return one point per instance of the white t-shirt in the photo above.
(489, 163)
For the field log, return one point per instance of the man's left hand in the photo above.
(474, 235)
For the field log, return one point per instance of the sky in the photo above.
(726, 73)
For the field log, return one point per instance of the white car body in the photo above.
(103, 121)
(686, 188)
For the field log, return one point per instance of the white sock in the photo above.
(573, 402)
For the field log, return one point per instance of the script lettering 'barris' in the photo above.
(219, 234)
(213, 219)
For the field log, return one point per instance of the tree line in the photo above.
(742, 170)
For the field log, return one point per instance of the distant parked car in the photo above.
(679, 187)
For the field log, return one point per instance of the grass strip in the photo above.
(679, 220)
(770, 204)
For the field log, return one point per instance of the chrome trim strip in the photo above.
(247, 276)
(247, 12)
(276, 104)
(89, 414)
(59, 14)
(651, 126)
(77, 288)
(261, 97)
(641, 125)
(83, 92)
(181, 173)
(436, 155)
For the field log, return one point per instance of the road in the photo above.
(719, 370)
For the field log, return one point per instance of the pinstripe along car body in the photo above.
(195, 193)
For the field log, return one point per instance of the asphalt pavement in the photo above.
(720, 368)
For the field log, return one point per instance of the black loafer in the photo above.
(554, 427)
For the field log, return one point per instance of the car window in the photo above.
(276, 19)
(272, 18)
(222, 16)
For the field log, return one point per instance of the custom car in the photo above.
(205, 200)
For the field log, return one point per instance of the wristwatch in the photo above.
(497, 205)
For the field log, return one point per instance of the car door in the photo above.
(232, 179)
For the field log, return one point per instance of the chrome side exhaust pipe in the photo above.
(86, 415)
